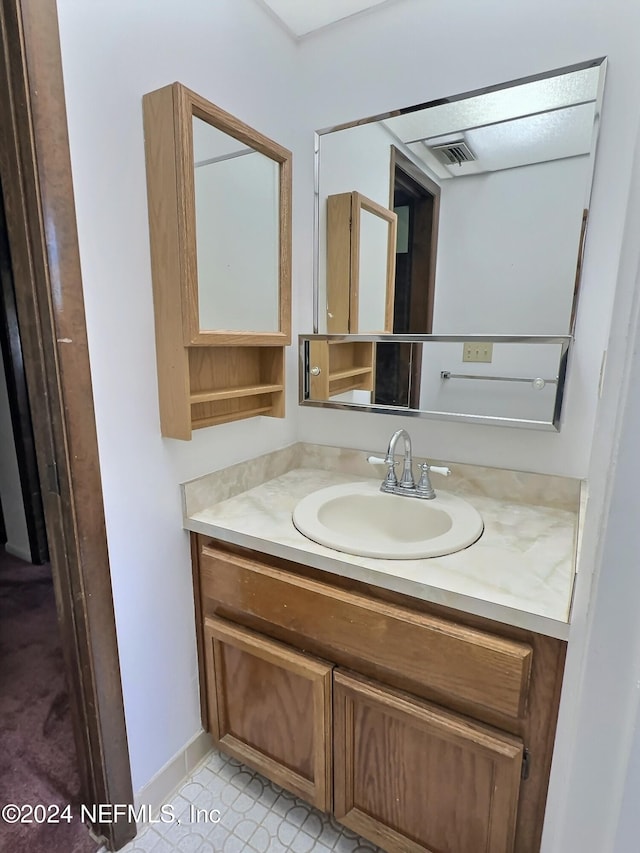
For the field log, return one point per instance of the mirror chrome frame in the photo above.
(564, 341)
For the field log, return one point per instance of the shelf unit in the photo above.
(344, 366)
(233, 383)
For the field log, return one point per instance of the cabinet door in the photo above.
(413, 777)
(270, 707)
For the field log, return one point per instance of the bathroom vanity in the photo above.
(414, 699)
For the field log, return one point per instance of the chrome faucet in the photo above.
(406, 481)
(407, 485)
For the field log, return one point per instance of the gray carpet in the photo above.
(37, 753)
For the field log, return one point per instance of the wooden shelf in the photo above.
(234, 383)
(345, 374)
(200, 423)
(232, 393)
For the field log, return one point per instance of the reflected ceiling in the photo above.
(539, 121)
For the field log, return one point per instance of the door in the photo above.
(413, 777)
(270, 707)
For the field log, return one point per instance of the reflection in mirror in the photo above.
(491, 190)
(361, 247)
(373, 264)
(522, 385)
(237, 233)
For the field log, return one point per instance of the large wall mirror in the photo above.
(420, 376)
(490, 190)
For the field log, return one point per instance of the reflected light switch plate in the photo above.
(477, 351)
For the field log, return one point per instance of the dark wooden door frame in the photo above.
(407, 370)
(400, 162)
(35, 171)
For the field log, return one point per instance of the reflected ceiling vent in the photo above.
(453, 153)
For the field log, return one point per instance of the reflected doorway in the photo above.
(415, 198)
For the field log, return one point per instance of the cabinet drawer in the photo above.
(452, 660)
(417, 779)
(270, 707)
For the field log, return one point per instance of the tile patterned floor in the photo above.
(256, 816)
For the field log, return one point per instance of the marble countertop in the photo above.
(521, 571)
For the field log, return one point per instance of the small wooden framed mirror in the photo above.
(219, 196)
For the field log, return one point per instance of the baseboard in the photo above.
(17, 551)
(160, 788)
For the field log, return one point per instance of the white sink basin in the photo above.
(358, 518)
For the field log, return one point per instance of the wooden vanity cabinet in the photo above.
(270, 707)
(421, 728)
(413, 777)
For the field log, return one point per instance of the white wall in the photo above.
(412, 51)
(10, 489)
(594, 778)
(113, 52)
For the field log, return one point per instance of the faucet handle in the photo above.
(376, 460)
(390, 481)
(424, 487)
(438, 469)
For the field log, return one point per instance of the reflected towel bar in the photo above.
(537, 381)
